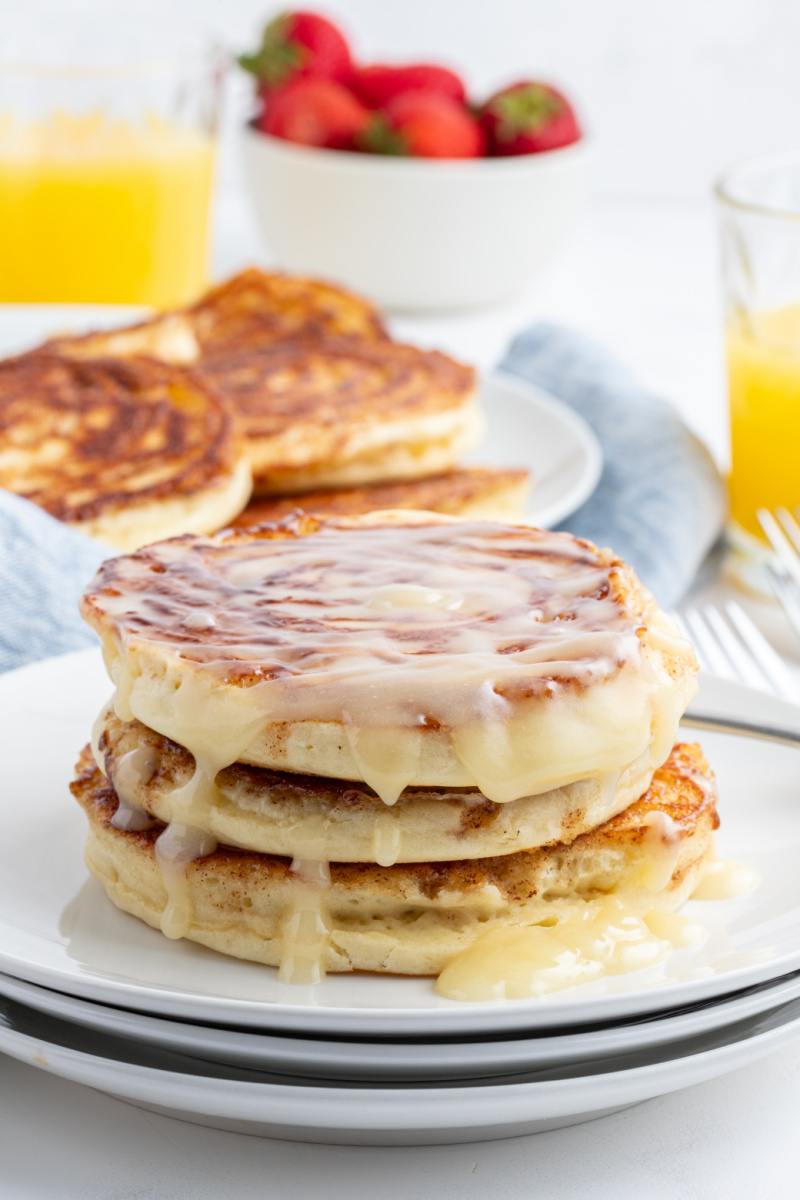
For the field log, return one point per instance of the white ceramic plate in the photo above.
(302, 1110)
(525, 426)
(58, 929)
(385, 1062)
(24, 326)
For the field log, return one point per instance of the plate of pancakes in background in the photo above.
(270, 393)
(390, 814)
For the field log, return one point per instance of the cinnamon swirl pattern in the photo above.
(126, 451)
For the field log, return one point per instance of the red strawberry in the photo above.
(315, 112)
(529, 117)
(425, 125)
(378, 84)
(295, 45)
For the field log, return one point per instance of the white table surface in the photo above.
(642, 278)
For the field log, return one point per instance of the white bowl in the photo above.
(413, 233)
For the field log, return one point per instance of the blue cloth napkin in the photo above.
(44, 567)
(659, 504)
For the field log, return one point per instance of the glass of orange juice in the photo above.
(759, 205)
(106, 168)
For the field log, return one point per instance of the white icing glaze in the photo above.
(674, 928)
(306, 924)
(386, 837)
(199, 620)
(662, 846)
(97, 730)
(509, 639)
(177, 847)
(131, 819)
(724, 879)
(413, 595)
(595, 938)
(132, 769)
(305, 933)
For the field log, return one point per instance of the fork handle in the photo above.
(752, 729)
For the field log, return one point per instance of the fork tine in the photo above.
(786, 595)
(790, 526)
(709, 655)
(680, 621)
(739, 656)
(783, 548)
(771, 663)
(682, 626)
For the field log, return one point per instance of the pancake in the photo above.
(322, 396)
(412, 919)
(398, 649)
(339, 413)
(125, 451)
(245, 313)
(489, 493)
(301, 816)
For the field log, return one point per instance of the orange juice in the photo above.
(103, 211)
(764, 379)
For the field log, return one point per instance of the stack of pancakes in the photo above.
(363, 743)
(142, 433)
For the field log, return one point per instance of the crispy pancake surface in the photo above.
(339, 412)
(245, 313)
(323, 397)
(396, 648)
(128, 451)
(256, 307)
(493, 494)
(276, 812)
(413, 918)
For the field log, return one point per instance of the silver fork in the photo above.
(728, 644)
(783, 534)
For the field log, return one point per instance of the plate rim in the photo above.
(388, 1109)
(672, 1027)
(578, 427)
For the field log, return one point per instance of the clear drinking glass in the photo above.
(759, 205)
(106, 168)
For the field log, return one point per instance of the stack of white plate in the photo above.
(91, 994)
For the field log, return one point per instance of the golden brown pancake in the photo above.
(257, 307)
(280, 812)
(244, 314)
(126, 451)
(400, 649)
(339, 412)
(412, 919)
(323, 397)
(491, 493)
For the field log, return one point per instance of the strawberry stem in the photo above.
(525, 110)
(277, 57)
(379, 137)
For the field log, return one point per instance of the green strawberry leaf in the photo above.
(277, 58)
(380, 137)
(524, 110)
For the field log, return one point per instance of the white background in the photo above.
(675, 89)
